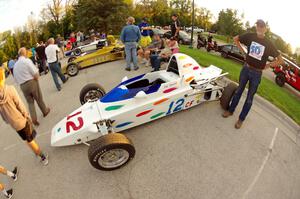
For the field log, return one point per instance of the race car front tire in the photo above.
(111, 151)
(227, 95)
(91, 92)
(72, 69)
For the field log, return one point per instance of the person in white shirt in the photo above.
(52, 51)
(26, 75)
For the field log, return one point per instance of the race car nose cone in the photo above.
(57, 136)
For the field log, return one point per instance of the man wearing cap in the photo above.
(175, 26)
(130, 36)
(259, 49)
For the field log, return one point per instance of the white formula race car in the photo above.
(133, 102)
(89, 47)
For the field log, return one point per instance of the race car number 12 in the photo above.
(71, 124)
(178, 106)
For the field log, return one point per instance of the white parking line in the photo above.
(14, 145)
(270, 149)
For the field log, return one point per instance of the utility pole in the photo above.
(193, 21)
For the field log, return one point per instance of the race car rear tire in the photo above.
(91, 92)
(71, 59)
(227, 95)
(72, 69)
(111, 151)
(77, 51)
(280, 79)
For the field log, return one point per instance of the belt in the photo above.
(26, 82)
(254, 68)
(53, 62)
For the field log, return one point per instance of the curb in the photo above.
(280, 115)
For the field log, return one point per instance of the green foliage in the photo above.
(100, 15)
(229, 23)
(203, 18)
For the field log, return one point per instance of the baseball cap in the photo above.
(261, 23)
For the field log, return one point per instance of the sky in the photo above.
(282, 17)
(15, 13)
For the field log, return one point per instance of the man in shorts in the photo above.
(145, 32)
(13, 112)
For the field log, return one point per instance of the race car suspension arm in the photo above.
(200, 91)
(104, 126)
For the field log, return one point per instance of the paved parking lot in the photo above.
(192, 154)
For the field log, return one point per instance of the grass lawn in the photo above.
(221, 38)
(278, 96)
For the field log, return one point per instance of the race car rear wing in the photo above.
(207, 76)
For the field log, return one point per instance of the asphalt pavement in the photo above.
(191, 154)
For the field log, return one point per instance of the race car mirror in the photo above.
(140, 95)
(124, 79)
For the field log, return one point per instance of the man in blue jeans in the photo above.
(259, 49)
(52, 59)
(130, 36)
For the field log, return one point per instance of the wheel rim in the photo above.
(92, 95)
(72, 69)
(77, 52)
(113, 158)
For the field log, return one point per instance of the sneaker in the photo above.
(35, 122)
(238, 124)
(226, 114)
(59, 89)
(47, 112)
(9, 194)
(44, 159)
(16, 172)
(136, 68)
(128, 69)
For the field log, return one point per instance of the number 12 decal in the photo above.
(178, 104)
(71, 124)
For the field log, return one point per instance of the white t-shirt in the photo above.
(24, 70)
(51, 53)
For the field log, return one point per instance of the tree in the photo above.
(247, 26)
(101, 15)
(203, 18)
(229, 23)
(184, 9)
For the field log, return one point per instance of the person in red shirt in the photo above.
(73, 40)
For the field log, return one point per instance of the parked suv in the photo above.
(289, 73)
